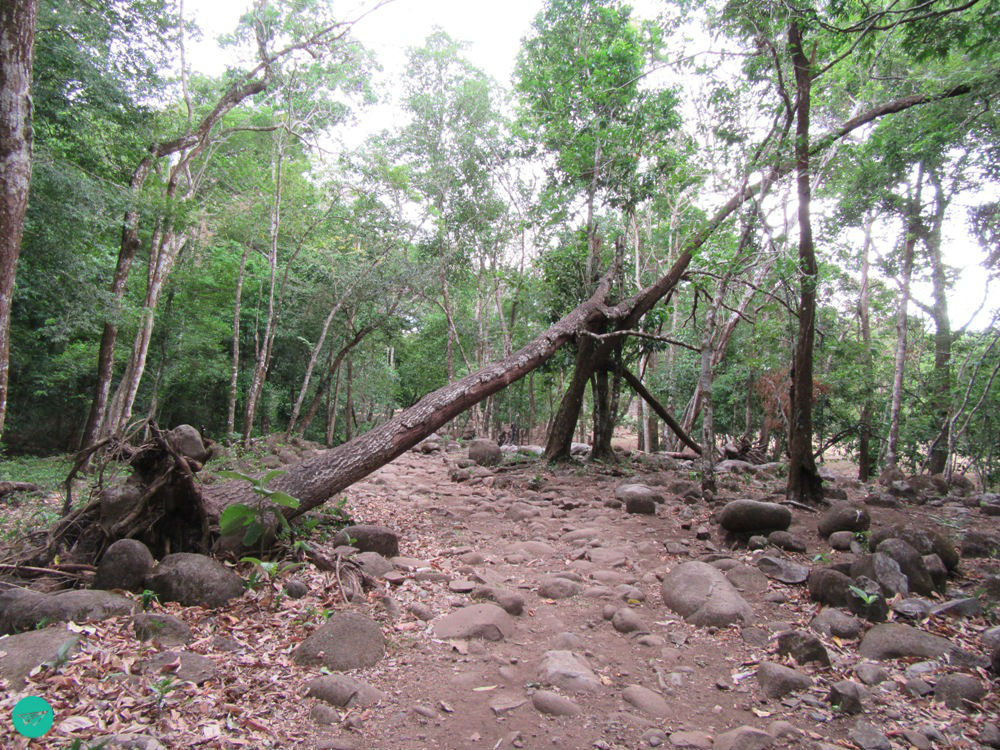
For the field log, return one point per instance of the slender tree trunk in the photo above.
(17, 44)
(804, 482)
(331, 419)
(263, 359)
(942, 380)
(909, 242)
(235, 373)
(867, 362)
(705, 382)
(313, 357)
(349, 402)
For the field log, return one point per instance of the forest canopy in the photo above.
(197, 249)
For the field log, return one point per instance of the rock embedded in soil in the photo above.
(867, 737)
(628, 492)
(864, 598)
(910, 562)
(754, 515)
(124, 565)
(21, 653)
(884, 570)
(128, 741)
(831, 621)
(926, 541)
(847, 696)
(510, 602)
(568, 671)
(553, 704)
(485, 452)
(843, 517)
(80, 605)
(959, 691)
(897, 641)
(829, 586)
(841, 540)
(803, 647)
(346, 641)
(743, 738)
(646, 700)
(341, 690)
(777, 680)
(194, 581)
(703, 596)
(871, 673)
(692, 739)
(190, 667)
(627, 620)
(486, 621)
(557, 587)
(787, 541)
(783, 570)
(165, 630)
(747, 580)
(369, 538)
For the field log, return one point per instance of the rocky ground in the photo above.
(524, 606)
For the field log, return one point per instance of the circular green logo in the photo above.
(33, 716)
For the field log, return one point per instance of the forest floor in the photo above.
(513, 527)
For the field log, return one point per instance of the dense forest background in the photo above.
(204, 250)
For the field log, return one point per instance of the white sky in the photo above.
(494, 31)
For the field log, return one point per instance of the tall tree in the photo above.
(17, 44)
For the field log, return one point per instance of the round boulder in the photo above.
(194, 581)
(702, 595)
(125, 565)
(754, 515)
(843, 517)
(485, 452)
(346, 641)
(368, 538)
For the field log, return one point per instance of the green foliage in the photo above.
(253, 520)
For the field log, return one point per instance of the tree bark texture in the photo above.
(17, 45)
(804, 482)
(941, 381)
(867, 361)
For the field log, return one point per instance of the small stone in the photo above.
(557, 587)
(341, 690)
(777, 680)
(487, 621)
(549, 702)
(803, 647)
(870, 673)
(697, 740)
(783, 570)
(369, 538)
(743, 738)
(841, 540)
(959, 691)
(847, 696)
(897, 641)
(420, 611)
(567, 671)
(184, 665)
(786, 541)
(646, 700)
(831, 621)
(295, 588)
(918, 688)
(627, 620)
(867, 737)
(346, 641)
(166, 630)
(754, 515)
(843, 517)
(124, 565)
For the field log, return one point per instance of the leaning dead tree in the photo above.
(317, 479)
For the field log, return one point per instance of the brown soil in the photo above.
(476, 694)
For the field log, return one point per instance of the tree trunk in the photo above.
(941, 380)
(331, 417)
(349, 403)
(867, 362)
(235, 374)
(804, 482)
(17, 44)
(909, 242)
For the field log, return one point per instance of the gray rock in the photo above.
(194, 581)
(125, 565)
(697, 740)
(831, 621)
(372, 564)
(703, 596)
(627, 620)
(743, 738)
(959, 691)
(346, 641)
(871, 673)
(646, 700)
(557, 587)
(937, 571)
(295, 588)
(966, 607)
(485, 452)
(926, 541)
(567, 671)
(165, 630)
(782, 569)
(897, 641)
(21, 653)
(117, 500)
(913, 609)
(841, 540)
(548, 702)
(510, 602)
(989, 735)
(486, 621)
(128, 742)
(645, 506)
(186, 440)
(777, 680)
(843, 517)
(754, 515)
(803, 647)
(23, 612)
(369, 538)
(747, 580)
(864, 598)
(420, 611)
(884, 570)
(341, 690)
(627, 492)
(867, 737)
(190, 667)
(980, 544)
(787, 541)
(990, 638)
(910, 562)
(847, 696)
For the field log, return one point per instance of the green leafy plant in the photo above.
(863, 595)
(266, 571)
(147, 598)
(162, 689)
(823, 557)
(62, 655)
(863, 538)
(252, 520)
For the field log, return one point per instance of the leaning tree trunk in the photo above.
(804, 482)
(17, 43)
